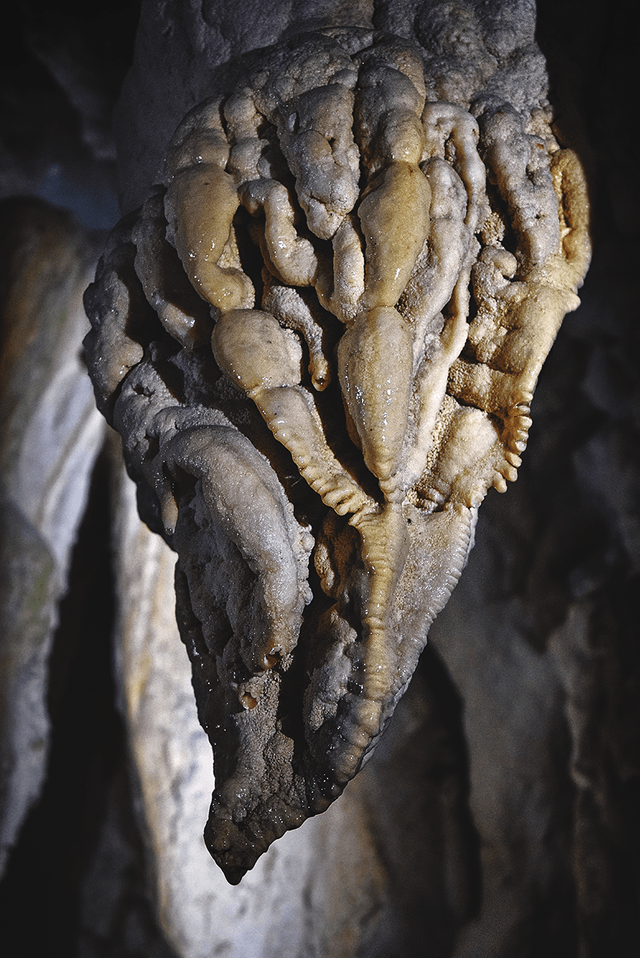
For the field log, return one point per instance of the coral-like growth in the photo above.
(319, 340)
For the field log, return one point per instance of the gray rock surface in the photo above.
(51, 436)
(357, 879)
(199, 46)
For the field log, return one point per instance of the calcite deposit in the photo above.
(319, 340)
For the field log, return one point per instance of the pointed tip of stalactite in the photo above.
(236, 848)
(233, 874)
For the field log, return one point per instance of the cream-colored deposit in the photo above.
(381, 274)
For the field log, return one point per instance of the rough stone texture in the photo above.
(199, 45)
(50, 438)
(380, 845)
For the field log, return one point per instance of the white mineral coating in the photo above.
(50, 437)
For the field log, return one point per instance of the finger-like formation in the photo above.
(379, 277)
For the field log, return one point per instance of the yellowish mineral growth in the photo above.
(264, 360)
(201, 202)
(320, 338)
(372, 355)
(345, 148)
(158, 269)
(381, 276)
(394, 217)
(292, 258)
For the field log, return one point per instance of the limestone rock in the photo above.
(362, 876)
(50, 438)
(383, 249)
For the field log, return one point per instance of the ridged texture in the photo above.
(380, 274)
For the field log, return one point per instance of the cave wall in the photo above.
(500, 816)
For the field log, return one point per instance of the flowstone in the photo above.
(319, 339)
